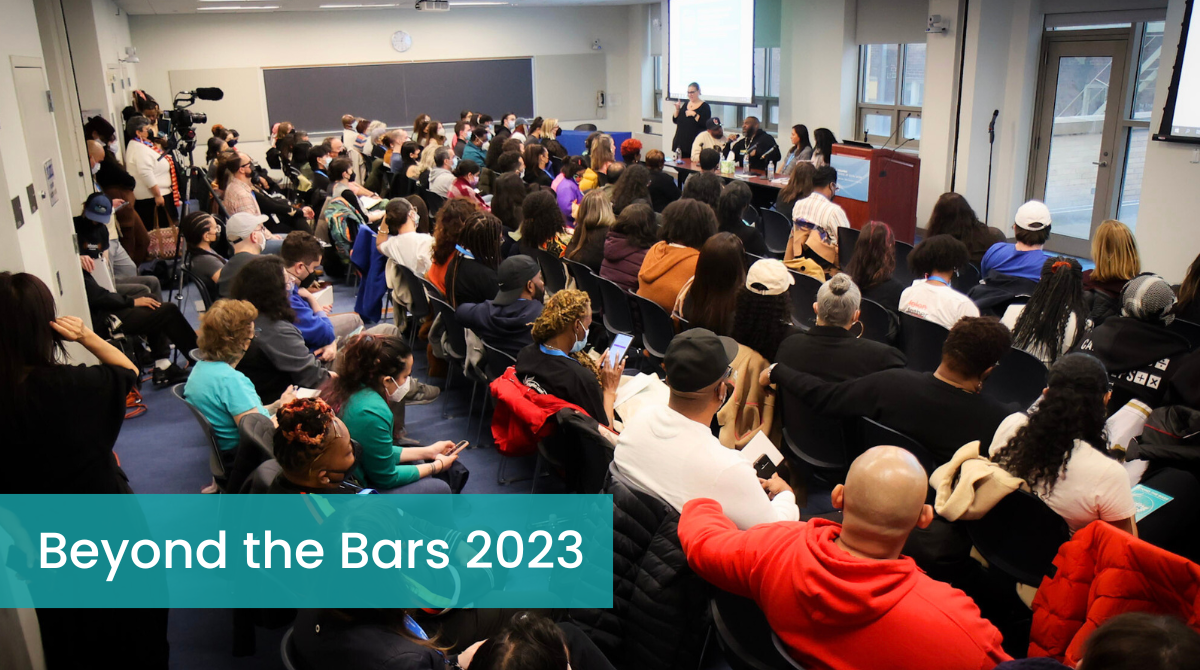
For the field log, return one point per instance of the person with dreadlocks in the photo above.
(1049, 325)
(313, 449)
(556, 365)
(471, 276)
(1060, 448)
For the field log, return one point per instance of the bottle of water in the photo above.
(678, 155)
(770, 171)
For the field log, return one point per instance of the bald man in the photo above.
(842, 596)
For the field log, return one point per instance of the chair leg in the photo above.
(537, 474)
(483, 406)
(471, 405)
(446, 390)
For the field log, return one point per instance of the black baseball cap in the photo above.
(713, 124)
(98, 208)
(697, 359)
(824, 176)
(515, 273)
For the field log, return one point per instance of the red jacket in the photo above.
(834, 610)
(1102, 572)
(519, 421)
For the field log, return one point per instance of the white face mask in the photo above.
(511, 125)
(95, 168)
(112, 146)
(262, 241)
(401, 390)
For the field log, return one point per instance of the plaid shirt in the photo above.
(239, 197)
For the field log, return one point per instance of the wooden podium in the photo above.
(891, 190)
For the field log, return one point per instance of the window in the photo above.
(891, 92)
(1135, 122)
(656, 64)
(765, 105)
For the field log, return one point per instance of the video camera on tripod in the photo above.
(183, 120)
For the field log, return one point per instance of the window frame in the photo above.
(898, 112)
(656, 84)
(1126, 124)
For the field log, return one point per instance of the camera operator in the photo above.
(153, 172)
(242, 194)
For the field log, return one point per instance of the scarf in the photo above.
(171, 165)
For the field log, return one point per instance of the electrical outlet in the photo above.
(1196, 155)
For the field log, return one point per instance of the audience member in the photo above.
(799, 187)
(1114, 250)
(508, 203)
(537, 166)
(1049, 325)
(601, 157)
(735, 198)
(450, 220)
(710, 161)
(613, 174)
(942, 410)
(410, 159)
(399, 240)
(631, 151)
(566, 187)
(466, 178)
(511, 161)
(937, 259)
(705, 187)
(756, 148)
(594, 220)
(533, 130)
(440, 177)
(1188, 306)
(301, 253)
(424, 223)
(801, 150)
(709, 299)
(556, 364)
(542, 225)
(1023, 258)
(200, 231)
(626, 244)
(763, 319)
(373, 373)
(670, 449)
(246, 233)
(1137, 348)
(669, 264)
(462, 137)
(533, 642)
(155, 199)
(314, 451)
(663, 188)
(872, 264)
(860, 604)
(830, 350)
(436, 139)
(506, 321)
(1060, 449)
(473, 149)
(632, 187)
(952, 215)
(714, 138)
(815, 221)
(823, 141)
(471, 276)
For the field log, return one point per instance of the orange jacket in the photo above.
(665, 269)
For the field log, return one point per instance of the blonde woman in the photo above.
(436, 138)
(602, 156)
(550, 132)
(1115, 252)
(593, 219)
(555, 362)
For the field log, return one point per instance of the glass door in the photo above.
(1076, 137)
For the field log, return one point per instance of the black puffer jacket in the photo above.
(659, 614)
(1170, 438)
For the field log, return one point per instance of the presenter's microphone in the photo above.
(209, 93)
(992, 127)
(898, 127)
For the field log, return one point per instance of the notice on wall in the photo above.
(51, 182)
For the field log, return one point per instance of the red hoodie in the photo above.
(832, 609)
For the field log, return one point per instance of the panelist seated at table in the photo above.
(713, 138)
(756, 148)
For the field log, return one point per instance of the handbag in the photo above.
(164, 240)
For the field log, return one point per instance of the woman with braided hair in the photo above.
(1049, 325)
(471, 275)
(313, 449)
(556, 365)
(1060, 448)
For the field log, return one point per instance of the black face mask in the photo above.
(357, 449)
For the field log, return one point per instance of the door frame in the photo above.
(1107, 187)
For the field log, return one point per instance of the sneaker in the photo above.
(169, 376)
(421, 394)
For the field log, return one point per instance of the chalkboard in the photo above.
(315, 98)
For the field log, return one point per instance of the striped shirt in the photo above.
(816, 211)
(239, 197)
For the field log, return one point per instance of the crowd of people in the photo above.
(480, 214)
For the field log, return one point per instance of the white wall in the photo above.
(818, 76)
(218, 40)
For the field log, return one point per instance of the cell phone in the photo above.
(764, 467)
(617, 351)
(459, 447)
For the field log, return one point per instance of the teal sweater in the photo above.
(370, 422)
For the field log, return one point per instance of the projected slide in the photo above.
(711, 42)
(1182, 119)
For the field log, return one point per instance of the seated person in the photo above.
(1023, 258)
(542, 225)
(710, 160)
(830, 350)
(1050, 324)
(1140, 353)
(200, 230)
(440, 176)
(873, 264)
(664, 189)
(399, 240)
(815, 220)
(556, 365)
(1061, 451)
(763, 317)
(714, 139)
(373, 372)
(505, 322)
(842, 596)
(533, 642)
(671, 451)
(314, 451)
(942, 409)
(471, 275)
(626, 244)
(936, 259)
(278, 357)
(669, 264)
(249, 238)
(301, 253)
(1132, 639)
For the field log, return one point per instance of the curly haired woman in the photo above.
(555, 363)
(313, 449)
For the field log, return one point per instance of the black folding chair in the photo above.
(419, 308)
(1020, 537)
(751, 217)
(433, 202)
(743, 633)
(876, 434)
(590, 127)
(657, 328)
(618, 312)
(902, 273)
(552, 271)
(588, 283)
(218, 462)
(968, 276)
(921, 341)
(402, 186)
(803, 294)
(777, 230)
(455, 348)
(1019, 377)
(819, 441)
(201, 284)
(1187, 329)
(847, 238)
(878, 323)
(782, 649)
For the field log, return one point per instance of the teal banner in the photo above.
(432, 551)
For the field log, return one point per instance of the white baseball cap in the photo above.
(240, 225)
(769, 277)
(1033, 215)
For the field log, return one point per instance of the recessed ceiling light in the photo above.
(228, 0)
(477, 4)
(358, 6)
(232, 8)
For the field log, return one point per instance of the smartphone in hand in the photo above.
(764, 467)
(459, 447)
(619, 347)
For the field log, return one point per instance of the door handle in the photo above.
(1100, 163)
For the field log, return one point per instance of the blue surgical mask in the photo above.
(579, 344)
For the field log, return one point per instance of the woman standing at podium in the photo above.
(689, 120)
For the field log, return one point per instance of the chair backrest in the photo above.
(433, 201)
(902, 273)
(657, 328)
(751, 217)
(496, 362)
(431, 289)
(591, 127)
(921, 341)
(1187, 329)
(586, 282)
(742, 632)
(556, 165)
(420, 301)
(260, 480)
(201, 284)
(777, 229)
(216, 464)
(803, 294)
(815, 439)
(876, 434)
(351, 198)
(1020, 536)
(578, 450)
(255, 446)
(968, 276)
(879, 324)
(552, 271)
(618, 312)
(456, 335)
(402, 186)
(782, 649)
(847, 238)
(1019, 377)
